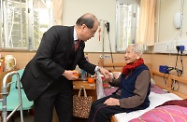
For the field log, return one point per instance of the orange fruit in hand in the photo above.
(76, 73)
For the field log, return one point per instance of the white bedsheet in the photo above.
(155, 100)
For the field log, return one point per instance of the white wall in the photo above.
(103, 10)
(167, 30)
(106, 10)
(169, 37)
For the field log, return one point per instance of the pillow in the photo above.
(158, 99)
(158, 90)
(168, 113)
(152, 82)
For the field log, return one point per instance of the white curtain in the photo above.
(146, 31)
(58, 10)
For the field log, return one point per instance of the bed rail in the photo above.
(170, 79)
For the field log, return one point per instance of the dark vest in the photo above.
(128, 86)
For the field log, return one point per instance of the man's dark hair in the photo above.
(86, 19)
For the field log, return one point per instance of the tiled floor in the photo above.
(27, 118)
(79, 120)
(30, 118)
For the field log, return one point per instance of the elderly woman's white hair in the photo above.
(138, 48)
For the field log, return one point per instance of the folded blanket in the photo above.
(182, 103)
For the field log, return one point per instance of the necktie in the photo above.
(76, 44)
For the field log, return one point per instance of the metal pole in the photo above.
(103, 38)
(4, 93)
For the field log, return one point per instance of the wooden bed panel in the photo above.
(169, 80)
(117, 67)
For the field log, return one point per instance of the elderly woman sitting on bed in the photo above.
(133, 91)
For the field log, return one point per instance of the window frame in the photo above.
(30, 30)
(126, 23)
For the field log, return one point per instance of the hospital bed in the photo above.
(166, 103)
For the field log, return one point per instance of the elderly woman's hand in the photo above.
(106, 73)
(112, 102)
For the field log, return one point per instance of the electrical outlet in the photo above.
(170, 46)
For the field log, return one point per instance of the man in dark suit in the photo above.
(47, 78)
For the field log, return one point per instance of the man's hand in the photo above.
(70, 75)
(112, 102)
(105, 72)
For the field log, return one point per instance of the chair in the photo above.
(15, 99)
(26, 103)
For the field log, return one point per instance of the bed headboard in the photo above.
(169, 84)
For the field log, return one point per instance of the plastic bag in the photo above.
(99, 87)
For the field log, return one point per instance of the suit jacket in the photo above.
(54, 55)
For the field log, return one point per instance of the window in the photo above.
(127, 16)
(14, 24)
(23, 23)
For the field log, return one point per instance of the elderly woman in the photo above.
(133, 91)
